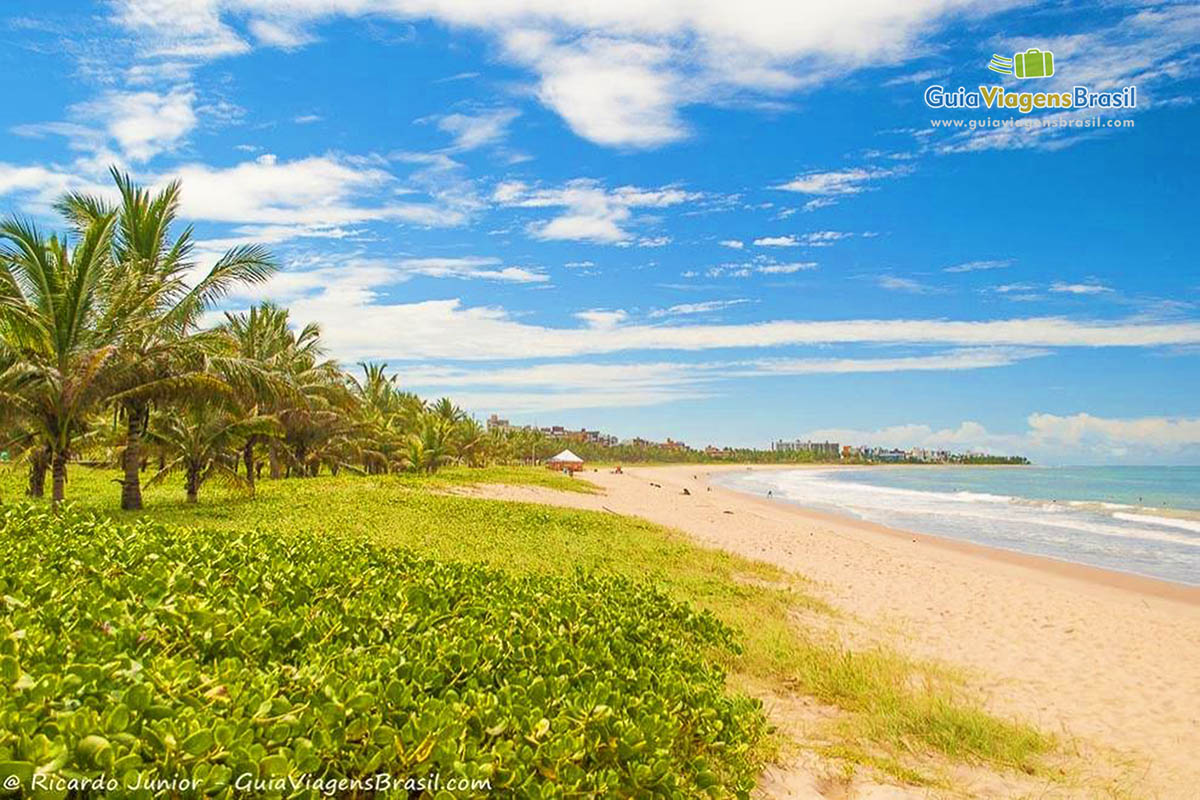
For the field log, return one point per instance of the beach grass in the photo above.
(893, 712)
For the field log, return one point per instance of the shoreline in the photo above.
(1118, 579)
(1103, 657)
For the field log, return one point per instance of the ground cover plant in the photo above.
(893, 710)
(152, 654)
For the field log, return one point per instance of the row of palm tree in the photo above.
(109, 353)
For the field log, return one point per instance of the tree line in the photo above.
(109, 355)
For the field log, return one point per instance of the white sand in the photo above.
(1110, 659)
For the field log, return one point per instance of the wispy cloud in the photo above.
(842, 181)
(895, 284)
(590, 211)
(1080, 288)
(684, 309)
(786, 269)
(979, 266)
(472, 131)
(812, 239)
(576, 384)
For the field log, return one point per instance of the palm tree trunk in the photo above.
(193, 484)
(248, 460)
(39, 462)
(276, 467)
(131, 485)
(59, 472)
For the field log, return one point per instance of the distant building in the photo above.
(822, 449)
(495, 422)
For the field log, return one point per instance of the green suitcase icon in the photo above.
(1034, 63)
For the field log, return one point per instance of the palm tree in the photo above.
(201, 441)
(428, 448)
(315, 406)
(256, 361)
(151, 281)
(470, 442)
(447, 411)
(59, 344)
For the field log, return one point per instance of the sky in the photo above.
(723, 222)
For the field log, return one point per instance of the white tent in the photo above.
(565, 457)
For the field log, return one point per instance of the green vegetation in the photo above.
(897, 716)
(480, 476)
(219, 658)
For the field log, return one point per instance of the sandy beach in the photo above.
(1106, 659)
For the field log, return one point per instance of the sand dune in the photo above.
(1113, 660)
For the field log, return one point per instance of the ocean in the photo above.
(1140, 520)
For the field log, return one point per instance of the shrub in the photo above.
(154, 656)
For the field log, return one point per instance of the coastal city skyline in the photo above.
(533, 209)
(810, 450)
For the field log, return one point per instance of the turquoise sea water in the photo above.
(1143, 520)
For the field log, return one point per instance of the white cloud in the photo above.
(786, 269)
(840, 182)
(602, 318)
(813, 239)
(706, 307)
(777, 241)
(341, 284)
(819, 202)
(895, 284)
(561, 385)
(979, 266)
(471, 131)
(1074, 438)
(733, 244)
(470, 268)
(41, 187)
(319, 190)
(140, 125)
(1162, 433)
(610, 91)
(280, 33)
(363, 325)
(180, 28)
(924, 76)
(1079, 288)
(591, 212)
(146, 123)
(618, 72)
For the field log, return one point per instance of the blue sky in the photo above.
(721, 222)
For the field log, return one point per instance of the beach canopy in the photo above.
(566, 457)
